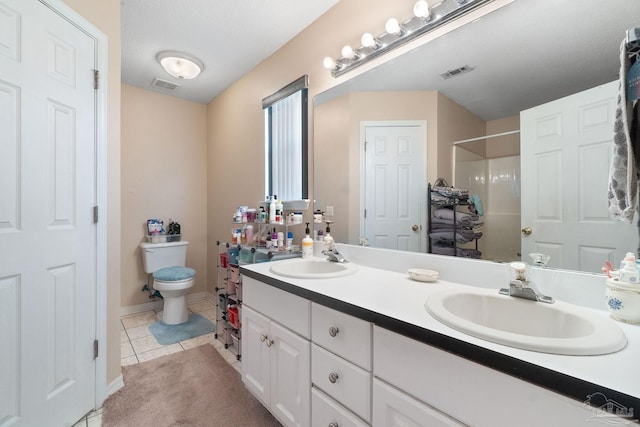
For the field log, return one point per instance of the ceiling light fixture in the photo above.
(369, 41)
(180, 65)
(393, 27)
(421, 10)
(398, 33)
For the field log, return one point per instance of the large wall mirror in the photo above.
(519, 57)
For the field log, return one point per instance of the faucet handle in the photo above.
(519, 270)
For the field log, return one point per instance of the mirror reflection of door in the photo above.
(565, 220)
(394, 181)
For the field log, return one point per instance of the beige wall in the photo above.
(235, 118)
(164, 153)
(105, 15)
(507, 145)
(337, 144)
(332, 146)
(455, 123)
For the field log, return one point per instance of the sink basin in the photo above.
(315, 268)
(558, 328)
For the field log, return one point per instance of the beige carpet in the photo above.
(196, 387)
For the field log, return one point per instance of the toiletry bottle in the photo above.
(274, 239)
(272, 210)
(289, 240)
(328, 240)
(279, 212)
(307, 244)
(249, 233)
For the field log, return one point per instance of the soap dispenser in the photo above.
(329, 244)
(307, 244)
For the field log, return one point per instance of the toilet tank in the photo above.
(159, 255)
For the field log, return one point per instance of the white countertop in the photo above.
(393, 294)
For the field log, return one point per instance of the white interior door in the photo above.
(47, 235)
(395, 186)
(565, 153)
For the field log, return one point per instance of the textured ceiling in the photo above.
(230, 37)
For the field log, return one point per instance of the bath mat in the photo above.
(195, 326)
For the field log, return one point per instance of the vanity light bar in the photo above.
(398, 34)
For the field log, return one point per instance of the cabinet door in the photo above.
(344, 335)
(256, 354)
(290, 377)
(327, 412)
(393, 408)
(343, 381)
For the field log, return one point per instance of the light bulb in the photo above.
(421, 9)
(368, 40)
(348, 52)
(329, 63)
(392, 26)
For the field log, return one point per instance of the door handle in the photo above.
(415, 227)
(526, 231)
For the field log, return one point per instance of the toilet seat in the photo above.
(173, 284)
(174, 274)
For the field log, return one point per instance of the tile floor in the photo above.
(137, 344)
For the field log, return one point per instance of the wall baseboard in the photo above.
(116, 385)
(157, 305)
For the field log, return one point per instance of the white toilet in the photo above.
(166, 261)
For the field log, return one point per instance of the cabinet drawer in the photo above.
(393, 408)
(283, 307)
(344, 381)
(326, 412)
(344, 335)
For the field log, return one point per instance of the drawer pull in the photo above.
(333, 424)
(333, 377)
(333, 331)
(269, 343)
(263, 338)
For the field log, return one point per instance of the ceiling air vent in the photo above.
(163, 84)
(456, 72)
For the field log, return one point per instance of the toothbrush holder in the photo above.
(623, 301)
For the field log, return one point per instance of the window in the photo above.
(286, 141)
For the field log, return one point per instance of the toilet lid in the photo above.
(174, 274)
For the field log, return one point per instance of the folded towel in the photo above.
(459, 252)
(461, 217)
(623, 172)
(476, 224)
(477, 203)
(460, 236)
(450, 191)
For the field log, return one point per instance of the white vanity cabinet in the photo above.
(276, 359)
(341, 367)
(394, 408)
(469, 393)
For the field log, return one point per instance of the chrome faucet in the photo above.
(521, 287)
(332, 252)
(334, 256)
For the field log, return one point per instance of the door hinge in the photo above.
(95, 349)
(95, 214)
(365, 145)
(96, 79)
(365, 213)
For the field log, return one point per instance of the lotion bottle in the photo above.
(307, 244)
(272, 210)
